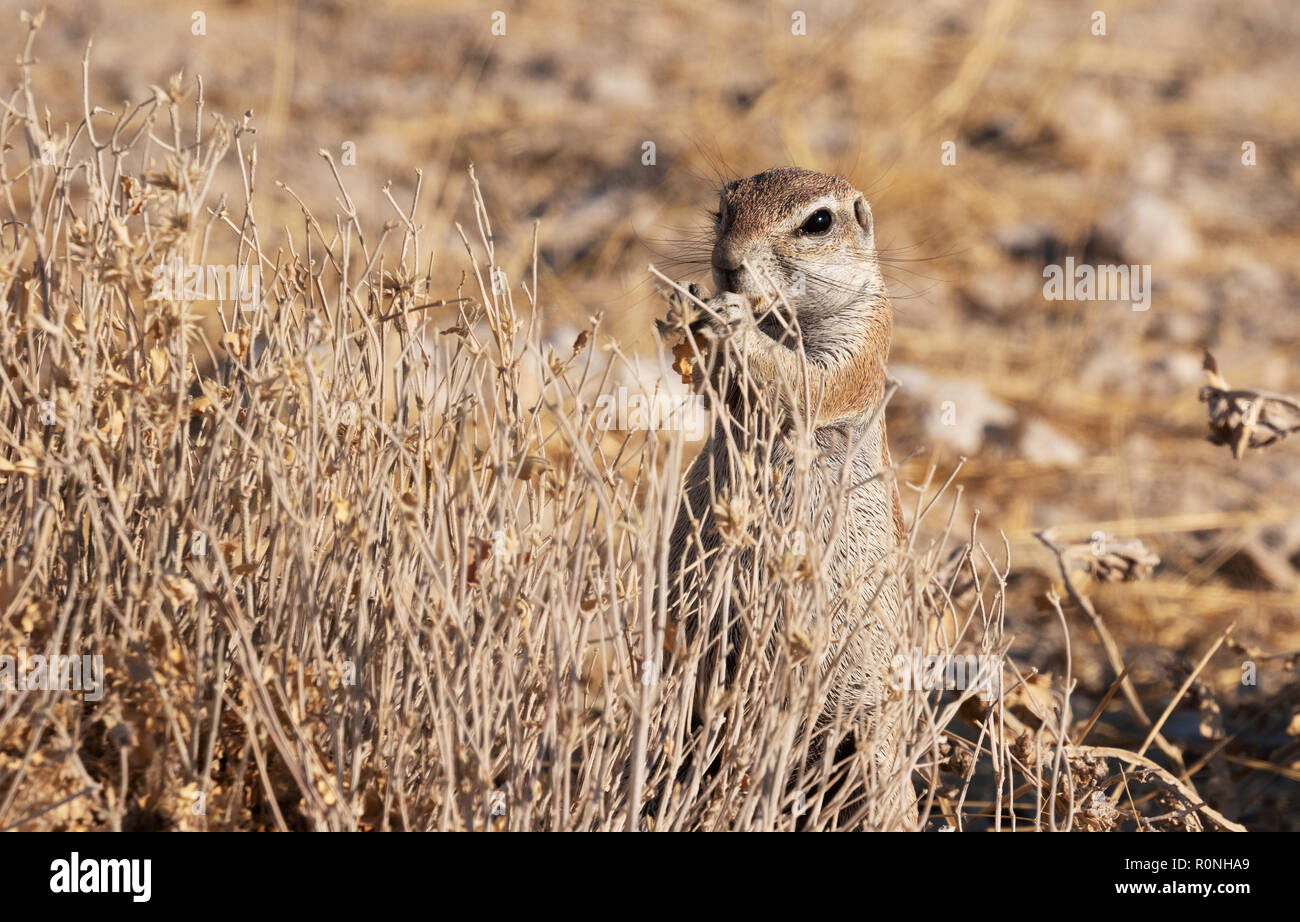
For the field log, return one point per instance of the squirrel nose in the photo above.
(729, 279)
(727, 259)
(728, 254)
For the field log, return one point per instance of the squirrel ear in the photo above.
(863, 213)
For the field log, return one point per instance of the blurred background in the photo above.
(1166, 133)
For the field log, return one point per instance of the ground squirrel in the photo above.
(810, 235)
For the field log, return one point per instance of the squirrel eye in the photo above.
(819, 222)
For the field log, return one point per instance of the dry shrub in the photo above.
(366, 558)
(1244, 418)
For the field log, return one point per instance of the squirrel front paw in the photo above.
(725, 313)
(684, 303)
(690, 306)
(707, 322)
(732, 309)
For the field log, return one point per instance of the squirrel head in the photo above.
(809, 233)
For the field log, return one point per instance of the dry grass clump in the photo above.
(366, 558)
